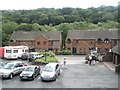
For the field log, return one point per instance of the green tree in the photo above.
(64, 28)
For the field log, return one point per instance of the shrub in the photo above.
(48, 59)
(64, 52)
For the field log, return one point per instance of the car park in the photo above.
(30, 72)
(50, 72)
(12, 68)
(35, 55)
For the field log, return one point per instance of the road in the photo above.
(76, 75)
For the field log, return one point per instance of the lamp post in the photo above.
(45, 55)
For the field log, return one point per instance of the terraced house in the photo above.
(82, 41)
(43, 40)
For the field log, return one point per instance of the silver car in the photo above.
(50, 72)
(11, 69)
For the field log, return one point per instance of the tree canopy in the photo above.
(103, 17)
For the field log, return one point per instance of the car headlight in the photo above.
(6, 73)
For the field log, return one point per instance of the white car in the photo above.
(1, 65)
(35, 55)
(50, 72)
(11, 69)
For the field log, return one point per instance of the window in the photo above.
(23, 50)
(68, 40)
(106, 49)
(80, 50)
(8, 51)
(68, 49)
(38, 43)
(76, 41)
(11, 40)
(57, 66)
(44, 43)
(15, 51)
(106, 41)
(90, 42)
(99, 41)
(99, 49)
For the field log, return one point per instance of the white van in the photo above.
(14, 52)
(34, 55)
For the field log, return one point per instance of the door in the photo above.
(74, 50)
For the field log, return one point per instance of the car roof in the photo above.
(52, 64)
(16, 62)
(32, 66)
(33, 53)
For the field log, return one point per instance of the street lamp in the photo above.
(45, 55)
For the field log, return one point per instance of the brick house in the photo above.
(43, 40)
(82, 41)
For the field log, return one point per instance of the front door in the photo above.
(74, 50)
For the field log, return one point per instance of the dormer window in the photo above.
(106, 41)
(99, 41)
(68, 40)
(11, 40)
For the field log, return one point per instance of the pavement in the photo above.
(110, 65)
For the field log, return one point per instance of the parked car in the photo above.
(35, 55)
(30, 72)
(50, 71)
(12, 68)
(25, 56)
(1, 65)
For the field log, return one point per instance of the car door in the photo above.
(16, 69)
(21, 67)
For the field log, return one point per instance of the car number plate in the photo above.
(24, 77)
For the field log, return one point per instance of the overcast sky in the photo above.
(34, 4)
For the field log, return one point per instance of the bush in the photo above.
(48, 59)
(64, 52)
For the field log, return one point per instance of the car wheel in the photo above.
(11, 76)
(55, 78)
(59, 73)
(33, 77)
(39, 73)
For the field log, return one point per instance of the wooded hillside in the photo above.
(104, 17)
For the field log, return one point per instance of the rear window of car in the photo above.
(49, 69)
(29, 69)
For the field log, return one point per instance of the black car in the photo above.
(25, 56)
(30, 72)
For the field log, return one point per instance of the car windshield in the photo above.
(48, 69)
(1, 64)
(31, 55)
(8, 66)
(29, 69)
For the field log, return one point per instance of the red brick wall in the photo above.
(85, 48)
(42, 45)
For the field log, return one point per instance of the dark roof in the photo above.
(93, 34)
(51, 35)
(116, 49)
